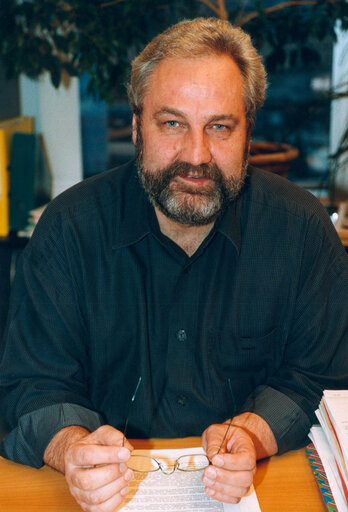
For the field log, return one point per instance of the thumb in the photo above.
(109, 436)
(214, 439)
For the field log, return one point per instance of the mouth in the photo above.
(196, 180)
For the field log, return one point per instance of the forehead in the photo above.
(209, 83)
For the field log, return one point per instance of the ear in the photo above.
(134, 128)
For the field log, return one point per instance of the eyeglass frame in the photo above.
(185, 455)
(175, 465)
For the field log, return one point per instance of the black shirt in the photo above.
(255, 320)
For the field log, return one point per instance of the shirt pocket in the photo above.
(233, 353)
(244, 362)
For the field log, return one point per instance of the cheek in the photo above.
(171, 149)
(232, 154)
(161, 149)
(234, 150)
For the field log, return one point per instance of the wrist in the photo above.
(260, 433)
(55, 451)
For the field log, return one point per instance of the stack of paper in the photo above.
(331, 442)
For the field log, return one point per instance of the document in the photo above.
(181, 491)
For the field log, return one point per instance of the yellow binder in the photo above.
(21, 124)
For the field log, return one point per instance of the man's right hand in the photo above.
(94, 465)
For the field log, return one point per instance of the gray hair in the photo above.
(199, 38)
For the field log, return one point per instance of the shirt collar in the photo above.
(134, 223)
(229, 224)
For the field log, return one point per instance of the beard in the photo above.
(192, 206)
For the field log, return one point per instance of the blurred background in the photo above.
(64, 114)
(65, 63)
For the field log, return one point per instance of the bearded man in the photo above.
(224, 288)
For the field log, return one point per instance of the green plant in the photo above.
(99, 37)
(79, 36)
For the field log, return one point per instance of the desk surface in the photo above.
(283, 484)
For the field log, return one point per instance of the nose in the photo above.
(196, 150)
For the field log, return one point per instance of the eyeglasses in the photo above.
(148, 464)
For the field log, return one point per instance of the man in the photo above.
(224, 288)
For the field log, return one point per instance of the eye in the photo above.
(172, 124)
(219, 130)
(219, 127)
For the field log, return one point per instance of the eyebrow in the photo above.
(223, 117)
(171, 111)
(178, 113)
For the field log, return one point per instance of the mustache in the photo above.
(210, 171)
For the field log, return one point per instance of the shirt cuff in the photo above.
(27, 442)
(288, 422)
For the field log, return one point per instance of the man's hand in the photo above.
(231, 474)
(232, 471)
(94, 466)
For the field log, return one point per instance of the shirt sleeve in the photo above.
(315, 353)
(27, 442)
(44, 359)
(288, 422)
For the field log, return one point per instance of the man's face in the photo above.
(192, 138)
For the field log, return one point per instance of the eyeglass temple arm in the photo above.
(230, 422)
(225, 435)
(130, 405)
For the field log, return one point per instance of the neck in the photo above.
(188, 238)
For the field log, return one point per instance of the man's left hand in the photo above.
(231, 474)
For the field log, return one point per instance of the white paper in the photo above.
(333, 417)
(322, 446)
(177, 492)
(337, 404)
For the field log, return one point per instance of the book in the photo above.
(333, 417)
(30, 178)
(331, 442)
(321, 477)
(20, 124)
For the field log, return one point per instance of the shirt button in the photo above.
(181, 399)
(181, 335)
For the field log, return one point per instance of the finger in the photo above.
(82, 454)
(88, 479)
(240, 451)
(99, 497)
(241, 461)
(225, 498)
(212, 438)
(220, 479)
(226, 490)
(107, 506)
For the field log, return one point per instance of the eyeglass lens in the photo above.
(146, 464)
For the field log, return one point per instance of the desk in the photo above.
(283, 484)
